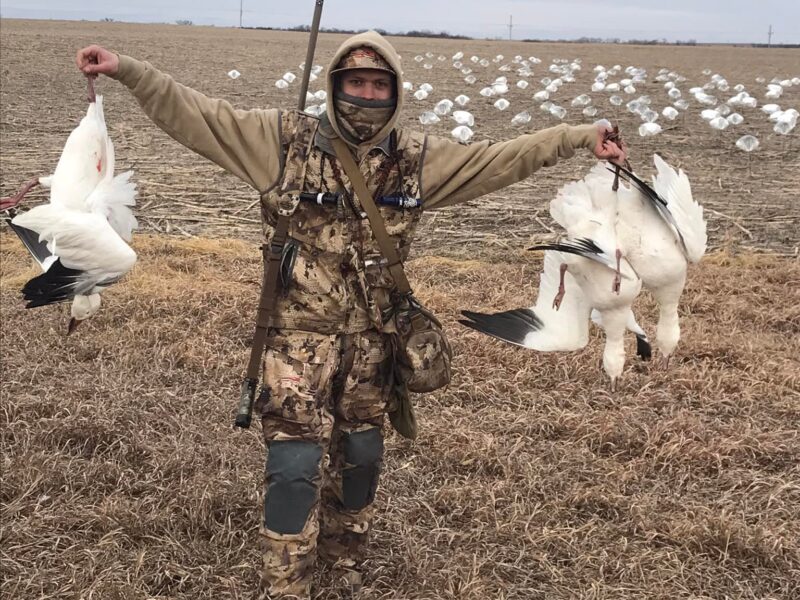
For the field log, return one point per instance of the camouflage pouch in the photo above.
(421, 351)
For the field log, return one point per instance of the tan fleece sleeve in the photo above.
(244, 142)
(453, 172)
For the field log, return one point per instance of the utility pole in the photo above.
(241, 4)
(769, 36)
(510, 25)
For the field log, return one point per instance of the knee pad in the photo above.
(364, 451)
(292, 481)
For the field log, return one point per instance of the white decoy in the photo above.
(631, 237)
(79, 237)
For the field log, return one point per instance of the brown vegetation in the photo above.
(123, 478)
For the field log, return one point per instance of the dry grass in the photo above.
(122, 477)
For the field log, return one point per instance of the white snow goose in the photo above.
(662, 229)
(79, 237)
(585, 272)
(627, 236)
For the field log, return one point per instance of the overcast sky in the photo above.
(702, 20)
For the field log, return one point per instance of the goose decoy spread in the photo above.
(618, 240)
(79, 237)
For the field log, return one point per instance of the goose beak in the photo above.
(73, 325)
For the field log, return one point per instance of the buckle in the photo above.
(370, 262)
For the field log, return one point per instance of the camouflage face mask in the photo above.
(362, 119)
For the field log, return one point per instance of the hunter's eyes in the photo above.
(380, 84)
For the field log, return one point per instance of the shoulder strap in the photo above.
(266, 306)
(356, 178)
(297, 135)
(269, 292)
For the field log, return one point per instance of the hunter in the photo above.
(324, 395)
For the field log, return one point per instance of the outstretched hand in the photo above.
(94, 60)
(609, 146)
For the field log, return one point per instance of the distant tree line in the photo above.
(413, 33)
(656, 42)
(426, 33)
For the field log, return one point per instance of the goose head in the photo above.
(83, 307)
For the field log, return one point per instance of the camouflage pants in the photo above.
(322, 394)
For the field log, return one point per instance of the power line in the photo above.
(769, 36)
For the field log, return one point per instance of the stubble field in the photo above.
(122, 477)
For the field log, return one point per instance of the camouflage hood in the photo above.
(378, 43)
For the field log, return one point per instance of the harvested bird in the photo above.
(584, 272)
(79, 237)
(618, 240)
(662, 229)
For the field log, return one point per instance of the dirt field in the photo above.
(43, 97)
(122, 478)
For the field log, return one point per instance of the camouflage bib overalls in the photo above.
(324, 399)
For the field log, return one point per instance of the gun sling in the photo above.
(273, 251)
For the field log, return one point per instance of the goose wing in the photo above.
(541, 327)
(675, 188)
(657, 202)
(38, 249)
(85, 242)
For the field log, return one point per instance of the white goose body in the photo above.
(660, 248)
(84, 161)
(648, 235)
(587, 210)
(79, 237)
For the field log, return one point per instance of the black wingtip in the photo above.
(31, 241)
(580, 246)
(511, 326)
(643, 348)
(57, 284)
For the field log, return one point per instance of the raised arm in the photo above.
(244, 142)
(453, 172)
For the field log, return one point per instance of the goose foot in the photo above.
(561, 290)
(617, 283)
(90, 93)
(12, 201)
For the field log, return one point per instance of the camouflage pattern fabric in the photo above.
(324, 363)
(363, 58)
(320, 388)
(362, 122)
(337, 284)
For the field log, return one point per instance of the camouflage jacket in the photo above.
(333, 280)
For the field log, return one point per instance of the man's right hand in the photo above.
(94, 60)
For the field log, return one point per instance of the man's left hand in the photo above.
(609, 149)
